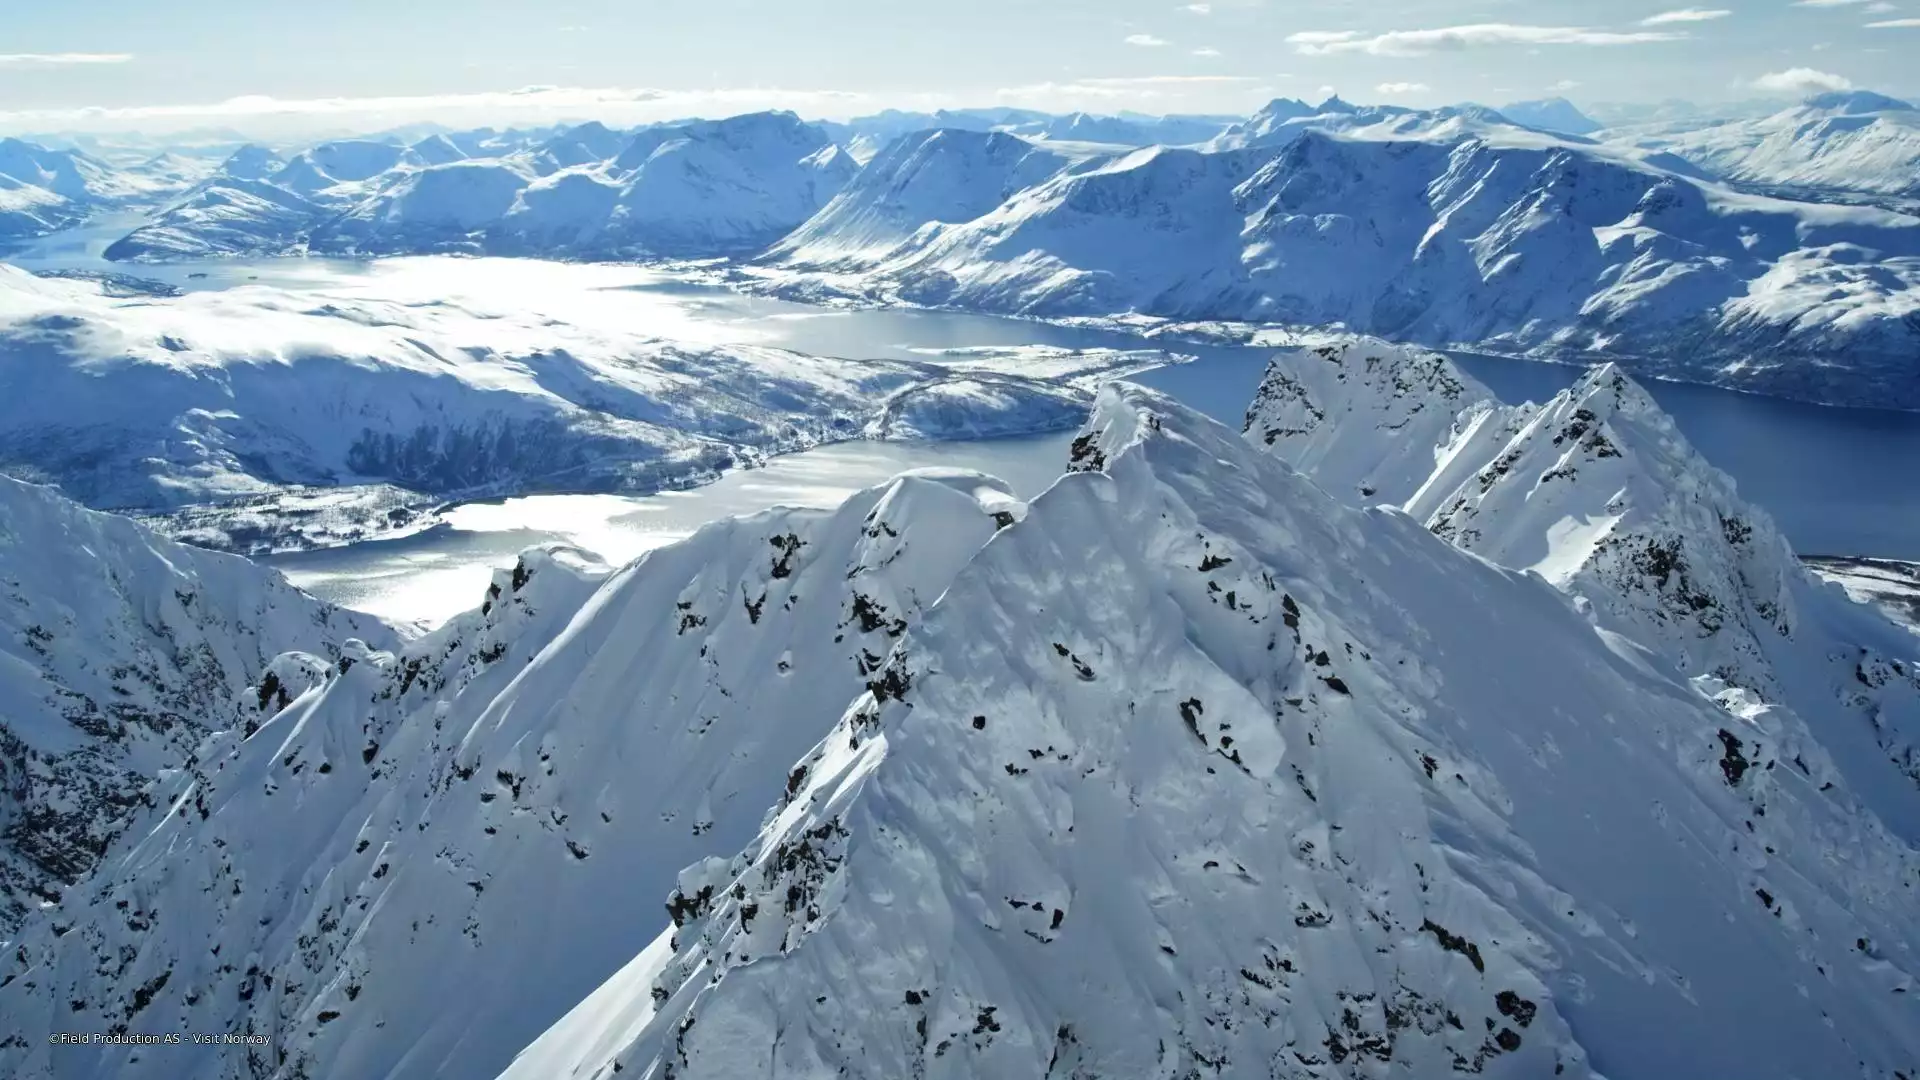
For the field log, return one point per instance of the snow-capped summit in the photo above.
(121, 652)
(69, 174)
(917, 184)
(697, 189)
(1363, 417)
(252, 162)
(1195, 772)
(347, 162)
(733, 185)
(1183, 767)
(1855, 102)
(583, 144)
(437, 150)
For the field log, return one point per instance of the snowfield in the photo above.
(447, 378)
(1183, 767)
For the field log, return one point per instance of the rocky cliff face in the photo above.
(122, 652)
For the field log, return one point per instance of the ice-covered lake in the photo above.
(1840, 481)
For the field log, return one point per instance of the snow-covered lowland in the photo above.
(1185, 767)
(420, 382)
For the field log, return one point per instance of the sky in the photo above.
(257, 66)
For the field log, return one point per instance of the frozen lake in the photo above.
(1840, 481)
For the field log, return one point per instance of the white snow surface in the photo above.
(121, 651)
(443, 376)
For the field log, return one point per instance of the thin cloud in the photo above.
(1894, 24)
(54, 59)
(634, 104)
(1199, 9)
(1403, 43)
(1207, 53)
(1828, 3)
(1401, 89)
(1802, 82)
(1563, 86)
(1147, 41)
(1685, 15)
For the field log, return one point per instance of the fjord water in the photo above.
(1839, 481)
(431, 576)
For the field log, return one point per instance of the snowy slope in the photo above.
(515, 793)
(28, 210)
(1194, 772)
(1366, 419)
(43, 190)
(1849, 141)
(1509, 241)
(121, 652)
(439, 208)
(441, 378)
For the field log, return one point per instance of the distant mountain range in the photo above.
(1686, 248)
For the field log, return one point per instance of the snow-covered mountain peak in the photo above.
(914, 185)
(1194, 772)
(1856, 102)
(516, 791)
(1599, 492)
(1347, 410)
(1551, 114)
(251, 162)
